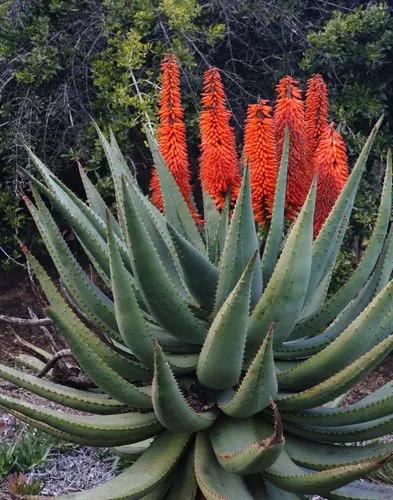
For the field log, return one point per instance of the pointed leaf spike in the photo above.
(360, 275)
(96, 202)
(212, 219)
(215, 482)
(282, 300)
(101, 363)
(276, 231)
(132, 326)
(258, 386)
(221, 234)
(247, 446)
(328, 242)
(170, 406)
(176, 210)
(185, 485)
(200, 275)
(162, 297)
(226, 337)
(240, 245)
(387, 265)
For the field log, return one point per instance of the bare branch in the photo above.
(25, 321)
(54, 359)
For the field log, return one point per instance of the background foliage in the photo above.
(62, 61)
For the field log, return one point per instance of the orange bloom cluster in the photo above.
(289, 112)
(260, 154)
(219, 170)
(316, 111)
(316, 148)
(332, 167)
(171, 133)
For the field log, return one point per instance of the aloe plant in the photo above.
(218, 357)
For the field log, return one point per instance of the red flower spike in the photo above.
(171, 134)
(219, 170)
(332, 167)
(289, 112)
(316, 111)
(260, 154)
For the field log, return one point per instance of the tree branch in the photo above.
(25, 321)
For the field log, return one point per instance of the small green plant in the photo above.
(19, 486)
(384, 474)
(31, 449)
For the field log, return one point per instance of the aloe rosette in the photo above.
(218, 358)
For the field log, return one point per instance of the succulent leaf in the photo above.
(169, 403)
(362, 490)
(143, 476)
(156, 226)
(226, 337)
(131, 324)
(327, 244)
(246, 446)
(376, 405)
(258, 387)
(176, 209)
(68, 396)
(287, 475)
(92, 300)
(276, 230)
(337, 384)
(240, 245)
(96, 202)
(200, 275)
(185, 485)
(283, 298)
(353, 342)
(371, 429)
(162, 298)
(320, 456)
(213, 480)
(212, 219)
(362, 272)
(221, 234)
(131, 427)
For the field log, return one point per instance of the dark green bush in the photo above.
(63, 61)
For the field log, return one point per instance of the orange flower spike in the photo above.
(219, 170)
(171, 132)
(260, 154)
(289, 112)
(316, 111)
(332, 168)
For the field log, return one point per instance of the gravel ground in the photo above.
(66, 471)
(80, 469)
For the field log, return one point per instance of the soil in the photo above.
(16, 297)
(371, 382)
